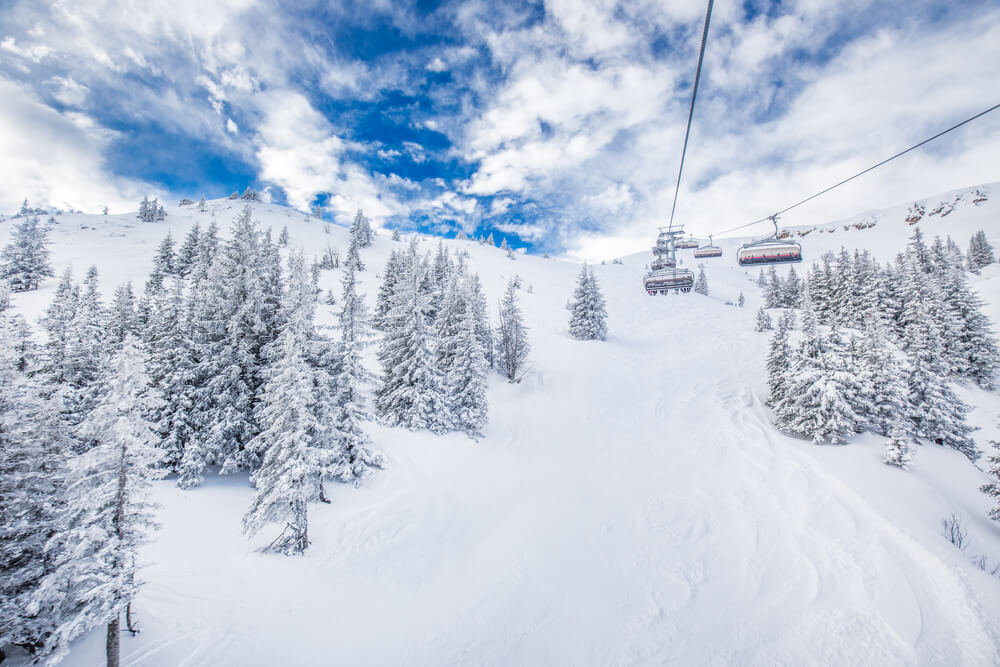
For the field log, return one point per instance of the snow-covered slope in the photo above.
(630, 502)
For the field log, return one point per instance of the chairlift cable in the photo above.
(860, 173)
(694, 96)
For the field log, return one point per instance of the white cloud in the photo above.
(437, 65)
(54, 159)
(231, 126)
(68, 91)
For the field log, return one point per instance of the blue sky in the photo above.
(557, 124)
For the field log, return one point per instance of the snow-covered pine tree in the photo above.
(882, 377)
(56, 322)
(33, 442)
(772, 290)
(512, 345)
(980, 252)
(791, 287)
(164, 260)
(934, 409)
(390, 278)
(188, 251)
(466, 369)
(395, 236)
(172, 374)
(763, 320)
(761, 279)
(897, 451)
(356, 457)
(361, 230)
(24, 262)
(108, 515)
(123, 317)
(144, 212)
(283, 237)
(588, 318)
(701, 283)
(992, 489)
(490, 241)
(779, 359)
(290, 471)
(353, 260)
(820, 388)
(972, 350)
(411, 392)
(741, 300)
(233, 324)
(202, 204)
(481, 313)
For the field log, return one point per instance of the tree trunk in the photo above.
(128, 620)
(113, 642)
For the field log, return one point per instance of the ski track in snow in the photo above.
(629, 504)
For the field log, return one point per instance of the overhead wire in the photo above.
(774, 216)
(694, 96)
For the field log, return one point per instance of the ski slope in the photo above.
(629, 503)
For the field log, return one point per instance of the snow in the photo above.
(629, 502)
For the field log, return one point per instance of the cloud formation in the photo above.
(559, 124)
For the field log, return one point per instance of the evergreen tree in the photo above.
(353, 261)
(283, 237)
(971, 349)
(512, 337)
(588, 315)
(164, 259)
(172, 373)
(761, 280)
(897, 451)
(290, 471)
(465, 365)
(934, 409)
(741, 300)
(357, 458)
(791, 289)
(108, 515)
(773, 290)
(980, 251)
(57, 322)
(234, 324)
(763, 320)
(188, 252)
(390, 279)
(123, 318)
(202, 204)
(490, 241)
(361, 231)
(882, 376)
(779, 360)
(481, 315)
(24, 262)
(992, 489)
(33, 442)
(819, 387)
(701, 283)
(411, 392)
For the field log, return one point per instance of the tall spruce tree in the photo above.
(512, 337)
(701, 282)
(24, 262)
(108, 515)
(588, 318)
(289, 474)
(411, 392)
(34, 441)
(356, 457)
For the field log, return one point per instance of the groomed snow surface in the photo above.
(630, 502)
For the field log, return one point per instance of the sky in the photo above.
(556, 124)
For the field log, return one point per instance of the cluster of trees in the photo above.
(588, 319)
(980, 252)
(151, 211)
(437, 345)
(879, 348)
(217, 364)
(24, 262)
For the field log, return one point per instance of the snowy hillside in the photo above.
(629, 503)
